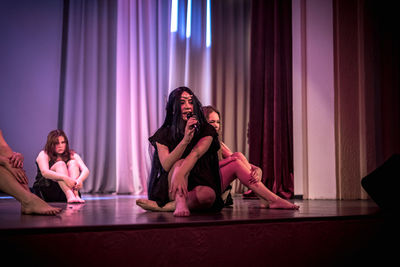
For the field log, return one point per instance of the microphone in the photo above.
(188, 116)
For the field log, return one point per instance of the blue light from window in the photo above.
(174, 16)
(189, 19)
(208, 26)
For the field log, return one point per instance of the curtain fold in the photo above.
(142, 78)
(367, 91)
(121, 60)
(190, 56)
(231, 72)
(271, 134)
(88, 109)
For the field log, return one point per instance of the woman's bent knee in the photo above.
(205, 195)
(58, 165)
(238, 155)
(72, 163)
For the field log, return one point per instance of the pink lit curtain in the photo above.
(142, 87)
(120, 61)
(153, 58)
(271, 137)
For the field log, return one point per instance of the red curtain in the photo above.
(271, 124)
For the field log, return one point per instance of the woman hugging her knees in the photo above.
(61, 171)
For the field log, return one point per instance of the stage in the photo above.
(112, 230)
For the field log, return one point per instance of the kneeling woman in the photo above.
(185, 172)
(61, 171)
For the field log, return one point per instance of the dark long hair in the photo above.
(173, 117)
(176, 124)
(50, 147)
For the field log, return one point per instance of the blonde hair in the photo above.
(207, 110)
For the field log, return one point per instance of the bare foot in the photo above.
(37, 206)
(280, 203)
(80, 200)
(181, 209)
(263, 203)
(151, 205)
(74, 199)
(77, 197)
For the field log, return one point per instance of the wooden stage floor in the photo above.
(113, 230)
(110, 211)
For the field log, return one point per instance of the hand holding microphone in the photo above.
(194, 126)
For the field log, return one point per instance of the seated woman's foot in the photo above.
(37, 206)
(151, 205)
(280, 203)
(74, 200)
(181, 209)
(147, 204)
(80, 200)
(264, 204)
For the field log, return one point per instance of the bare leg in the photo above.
(73, 170)
(238, 169)
(181, 206)
(61, 167)
(30, 203)
(5, 150)
(201, 197)
(242, 158)
(151, 205)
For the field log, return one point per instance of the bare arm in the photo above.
(18, 173)
(226, 152)
(6, 154)
(168, 158)
(3, 161)
(178, 179)
(5, 150)
(256, 172)
(84, 171)
(225, 161)
(43, 163)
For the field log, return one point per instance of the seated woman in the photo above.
(61, 171)
(13, 181)
(185, 174)
(235, 165)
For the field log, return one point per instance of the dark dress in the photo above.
(205, 172)
(47, 189)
